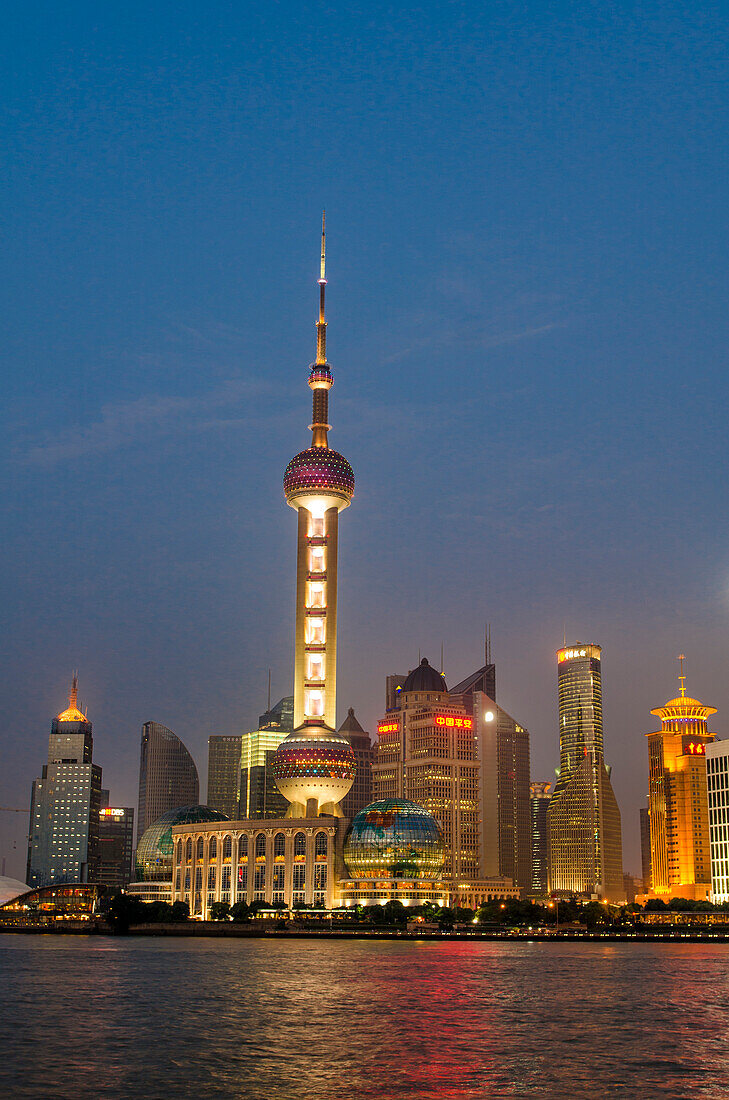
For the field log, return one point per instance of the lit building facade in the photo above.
(116, 843)
(717, 785)
(167, 775)
(224, 773)
(538, 803)
(360, 794)
(65, 802)
(285, 862)
(314, 766)
(645, 847)
(585, 843)
(260, 796)
(677, 800)
(426, 752)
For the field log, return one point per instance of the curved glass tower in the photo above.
(314, 766)
(582, 814)
(167, 775)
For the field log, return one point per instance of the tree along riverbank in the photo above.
(229, 930)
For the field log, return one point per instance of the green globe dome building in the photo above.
(154, 851)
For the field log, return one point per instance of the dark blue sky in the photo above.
(528, 325)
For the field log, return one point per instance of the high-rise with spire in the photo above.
(65, 802)
(678, 810)
(314, 767)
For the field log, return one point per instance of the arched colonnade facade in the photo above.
(290, 862)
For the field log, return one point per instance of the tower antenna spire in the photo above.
(682, 675)
(73, 693)
(321, 325)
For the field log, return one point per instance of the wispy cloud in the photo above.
(121, 424)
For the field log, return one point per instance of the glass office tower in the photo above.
(583, 816)
(224, 774)
(538, 803)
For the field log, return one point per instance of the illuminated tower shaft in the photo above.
(315, 663)
(314, 766)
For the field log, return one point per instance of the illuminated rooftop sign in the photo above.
(388, 727)
(451, 720)
(570, 654)
(106, 812)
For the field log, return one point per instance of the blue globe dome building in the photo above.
(394, 838)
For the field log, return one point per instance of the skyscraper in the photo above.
(314, 767)
(167, 775)
(65, 802)
(280, 716)
(645, 848)
(677, 799)
(717, 782)
(502, 746)
(426, 752)
(224, 774)
(540, 794)
(116, 843)
(584, 820)
(364, 754)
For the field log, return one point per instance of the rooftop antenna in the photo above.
(564, 635)
(321, 327)
(441, 659)
(269, 690)
(682, 675)
(73, 694)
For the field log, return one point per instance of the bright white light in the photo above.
(488, 716)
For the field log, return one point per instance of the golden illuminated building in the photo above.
(677, 799)
(583, 819)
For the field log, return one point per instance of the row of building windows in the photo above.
(321, 847)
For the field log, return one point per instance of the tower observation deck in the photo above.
(314, 766)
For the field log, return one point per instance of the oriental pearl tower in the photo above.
(314, 766)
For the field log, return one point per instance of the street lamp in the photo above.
(555, 905)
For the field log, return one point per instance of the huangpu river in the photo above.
(343, 1019)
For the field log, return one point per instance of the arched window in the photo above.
(199, 851)
(261, 845)
(213, 847)
(179, 851)
(300, 844)
(188, 848)
(321, 845)
(242, 847)
(227, 847)
(279, 846)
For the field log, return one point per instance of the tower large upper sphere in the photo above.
(318, 472)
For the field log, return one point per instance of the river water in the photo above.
(381, 1019)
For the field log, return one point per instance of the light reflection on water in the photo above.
(378, 1020)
